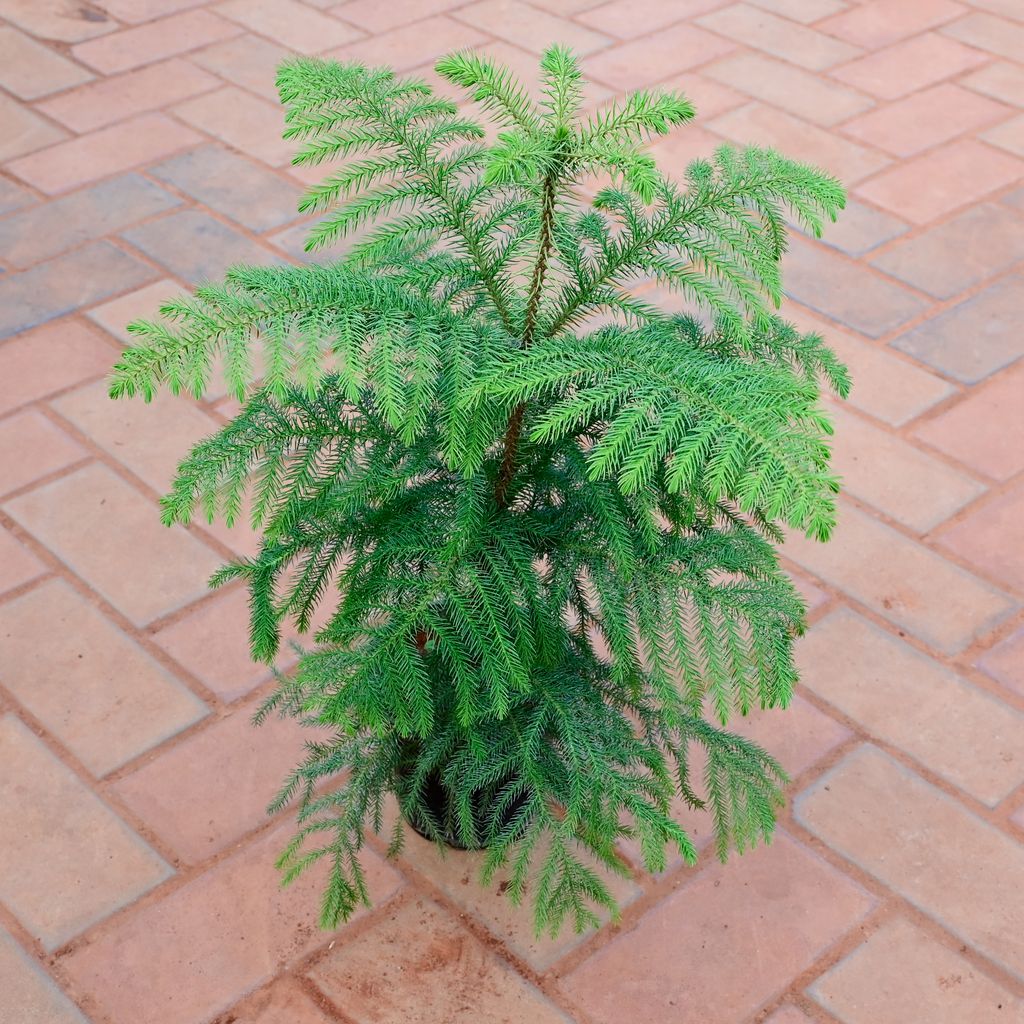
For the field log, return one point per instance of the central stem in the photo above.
(514, 431)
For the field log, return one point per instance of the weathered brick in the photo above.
(974, 338)
(283, 1003)
(94, 689)
(1005, 662)
(30, 70)
(795, 90)
(905, 67)
(291, 23)
(1009, 135)
(880, 23)
(375, 17)
(925, 119)
(901, 973)
(627, 19)
(958, 254)
(144, 303)
(245, 60)
(232, 185)
(111, 536)
(50, 228)
(642, 62)
(66, 860)
(48, 360)
(198, 950)
(991, 537)
(157, 40)
(448, 965)
(22, 131)
(64, 284)
(987, 32)
(861, 228)
(17, 564)
(30, 995)
(942, 180)
(12, 197)
(113, 99)
(195, 246)
(32, 447)
(781, 37)
(759, 919)
(100, 153)
(528, 27)
(173, 794)
(411, 45)
(902, 581)
(846, 291)
(1001, 80)
(915, 839)
(53, 19)
(899, 695)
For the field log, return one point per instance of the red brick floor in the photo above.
(140, 152)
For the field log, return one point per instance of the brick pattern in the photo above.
(140, 152)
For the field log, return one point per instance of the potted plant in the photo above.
(544, 508)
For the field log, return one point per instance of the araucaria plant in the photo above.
(538, 509)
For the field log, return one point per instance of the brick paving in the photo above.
(139, 153)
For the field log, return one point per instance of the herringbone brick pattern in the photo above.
(140, 152)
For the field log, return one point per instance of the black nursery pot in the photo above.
(483, 800)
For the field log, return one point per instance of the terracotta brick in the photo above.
(32, 447)
(198, 950)
(12, 197)
(901, 973)
(93, 688)
(813, 596)
(112, 537)
(788, 1015)
(30, 995)
(22, 132)
(107, 151)
(457, 874)
(566, 7)
(761, 125)
(861, 228)
(113, 99)
(283, 1003)
(194, 246)
(1008, 136)
(709, 98)
(885, 385)
(144, 303)
(925, 119)
(293, 24)
(780, 37)
(157, 40)
(376, 17)
(846, 291)
(88, 274)
(246, 60)
(67, 860)
(424, 968)
(173, 794)
(943, 180)
(883, 470)
(958, 254)
(50, 359)
(30, 70)
(908, 66)
(642, 62)
(232, 185)
(212, 642)
(1005, 662)
(975, 338)
(1008, 7)
(50, 228)
(901, 696)
(242, 121)
(627, 19)
(56, 19)
(882, 22)
(529, 27)
(137, 11)
(916, 840)
(759, 919)
(991, 537)
(902, 581)
(804, 11)
(987, 32)
(411, 45)
(797, 91)
(1001, 80)
(17, 564)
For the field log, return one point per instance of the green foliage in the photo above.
(476, 444)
